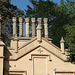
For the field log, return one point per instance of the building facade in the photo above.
(34, 55)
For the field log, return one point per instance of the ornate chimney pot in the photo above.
(14, 26)
(20, 26)
(33, 20)
(14, 19)
(46, 27)
(33, 27)
(39, 21)
(27, 19)
(27, 26)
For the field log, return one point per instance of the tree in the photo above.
(7, 11)
(56, 14)
(70, 40)
(61, 21)
(70, 30)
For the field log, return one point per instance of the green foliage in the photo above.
(61, 21)
(56, 14)
(70, 29)
(7, 11)
(40, 9)
(70, 38)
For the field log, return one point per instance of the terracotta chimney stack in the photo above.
(14, 26)
(27, 27)
(33, 27)
(46, 27)
(20, 26)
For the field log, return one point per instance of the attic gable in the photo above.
(34, 44)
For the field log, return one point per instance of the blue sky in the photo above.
(22, 4)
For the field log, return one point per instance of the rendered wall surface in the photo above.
(33, 62)
(42, 66)
(1, 66)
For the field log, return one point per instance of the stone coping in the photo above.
(2, 43)
(10, 48)
(21, 38)
(1, 56)
(49, 39)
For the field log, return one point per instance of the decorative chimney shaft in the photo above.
(39, 30)
(33, 27)
(46, 27)
(20, 26)
(14, 27)
(27, 27)
(62, 45)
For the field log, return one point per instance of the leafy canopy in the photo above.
(7, 11)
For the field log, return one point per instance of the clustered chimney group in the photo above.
(39, 29)
(33, 20)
